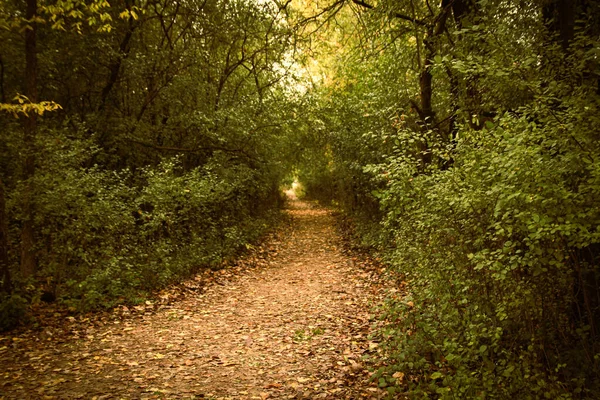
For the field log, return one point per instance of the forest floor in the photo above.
(292, 320)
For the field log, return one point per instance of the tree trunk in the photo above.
(28, 261)
(2, 93)
(425, 83)
(559, 16)
(4, 266)
(425, 111)
(115, 66)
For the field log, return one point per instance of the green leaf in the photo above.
(436, 375)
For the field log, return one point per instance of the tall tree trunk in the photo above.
(2, 93)
(115, 66)
(559, 16)
(425, 81)
(28, 261)
(425, 111)
(465, 13)
(4, 266)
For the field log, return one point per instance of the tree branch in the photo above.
(196, 150)
(393, 14)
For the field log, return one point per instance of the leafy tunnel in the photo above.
(146, 140)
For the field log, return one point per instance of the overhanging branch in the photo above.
(393, 14)
(196, 150)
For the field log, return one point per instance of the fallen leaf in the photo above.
(399, 376)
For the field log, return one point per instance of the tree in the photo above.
(164, 150)
(4, 260)
(28, 262)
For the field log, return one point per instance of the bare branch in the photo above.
(195, 150)
(393, 14)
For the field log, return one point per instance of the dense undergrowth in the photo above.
(112, 238)
(488, 208)
(141, 142)
(500, 253)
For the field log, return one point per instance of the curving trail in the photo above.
(294, 326)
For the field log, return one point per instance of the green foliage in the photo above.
(501, 252)
(487, 207)
(162, 159)
(105, 240)
(490, 249)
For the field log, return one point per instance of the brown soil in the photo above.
(294, 325)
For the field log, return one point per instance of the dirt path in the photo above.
(294, 327)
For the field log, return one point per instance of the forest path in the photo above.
(294, 326)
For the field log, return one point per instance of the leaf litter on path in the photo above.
(290, 321)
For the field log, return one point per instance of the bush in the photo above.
(13, 310)
(107, 237)
(495, 253)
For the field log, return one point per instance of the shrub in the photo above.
(492, 250)
(13, 310)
